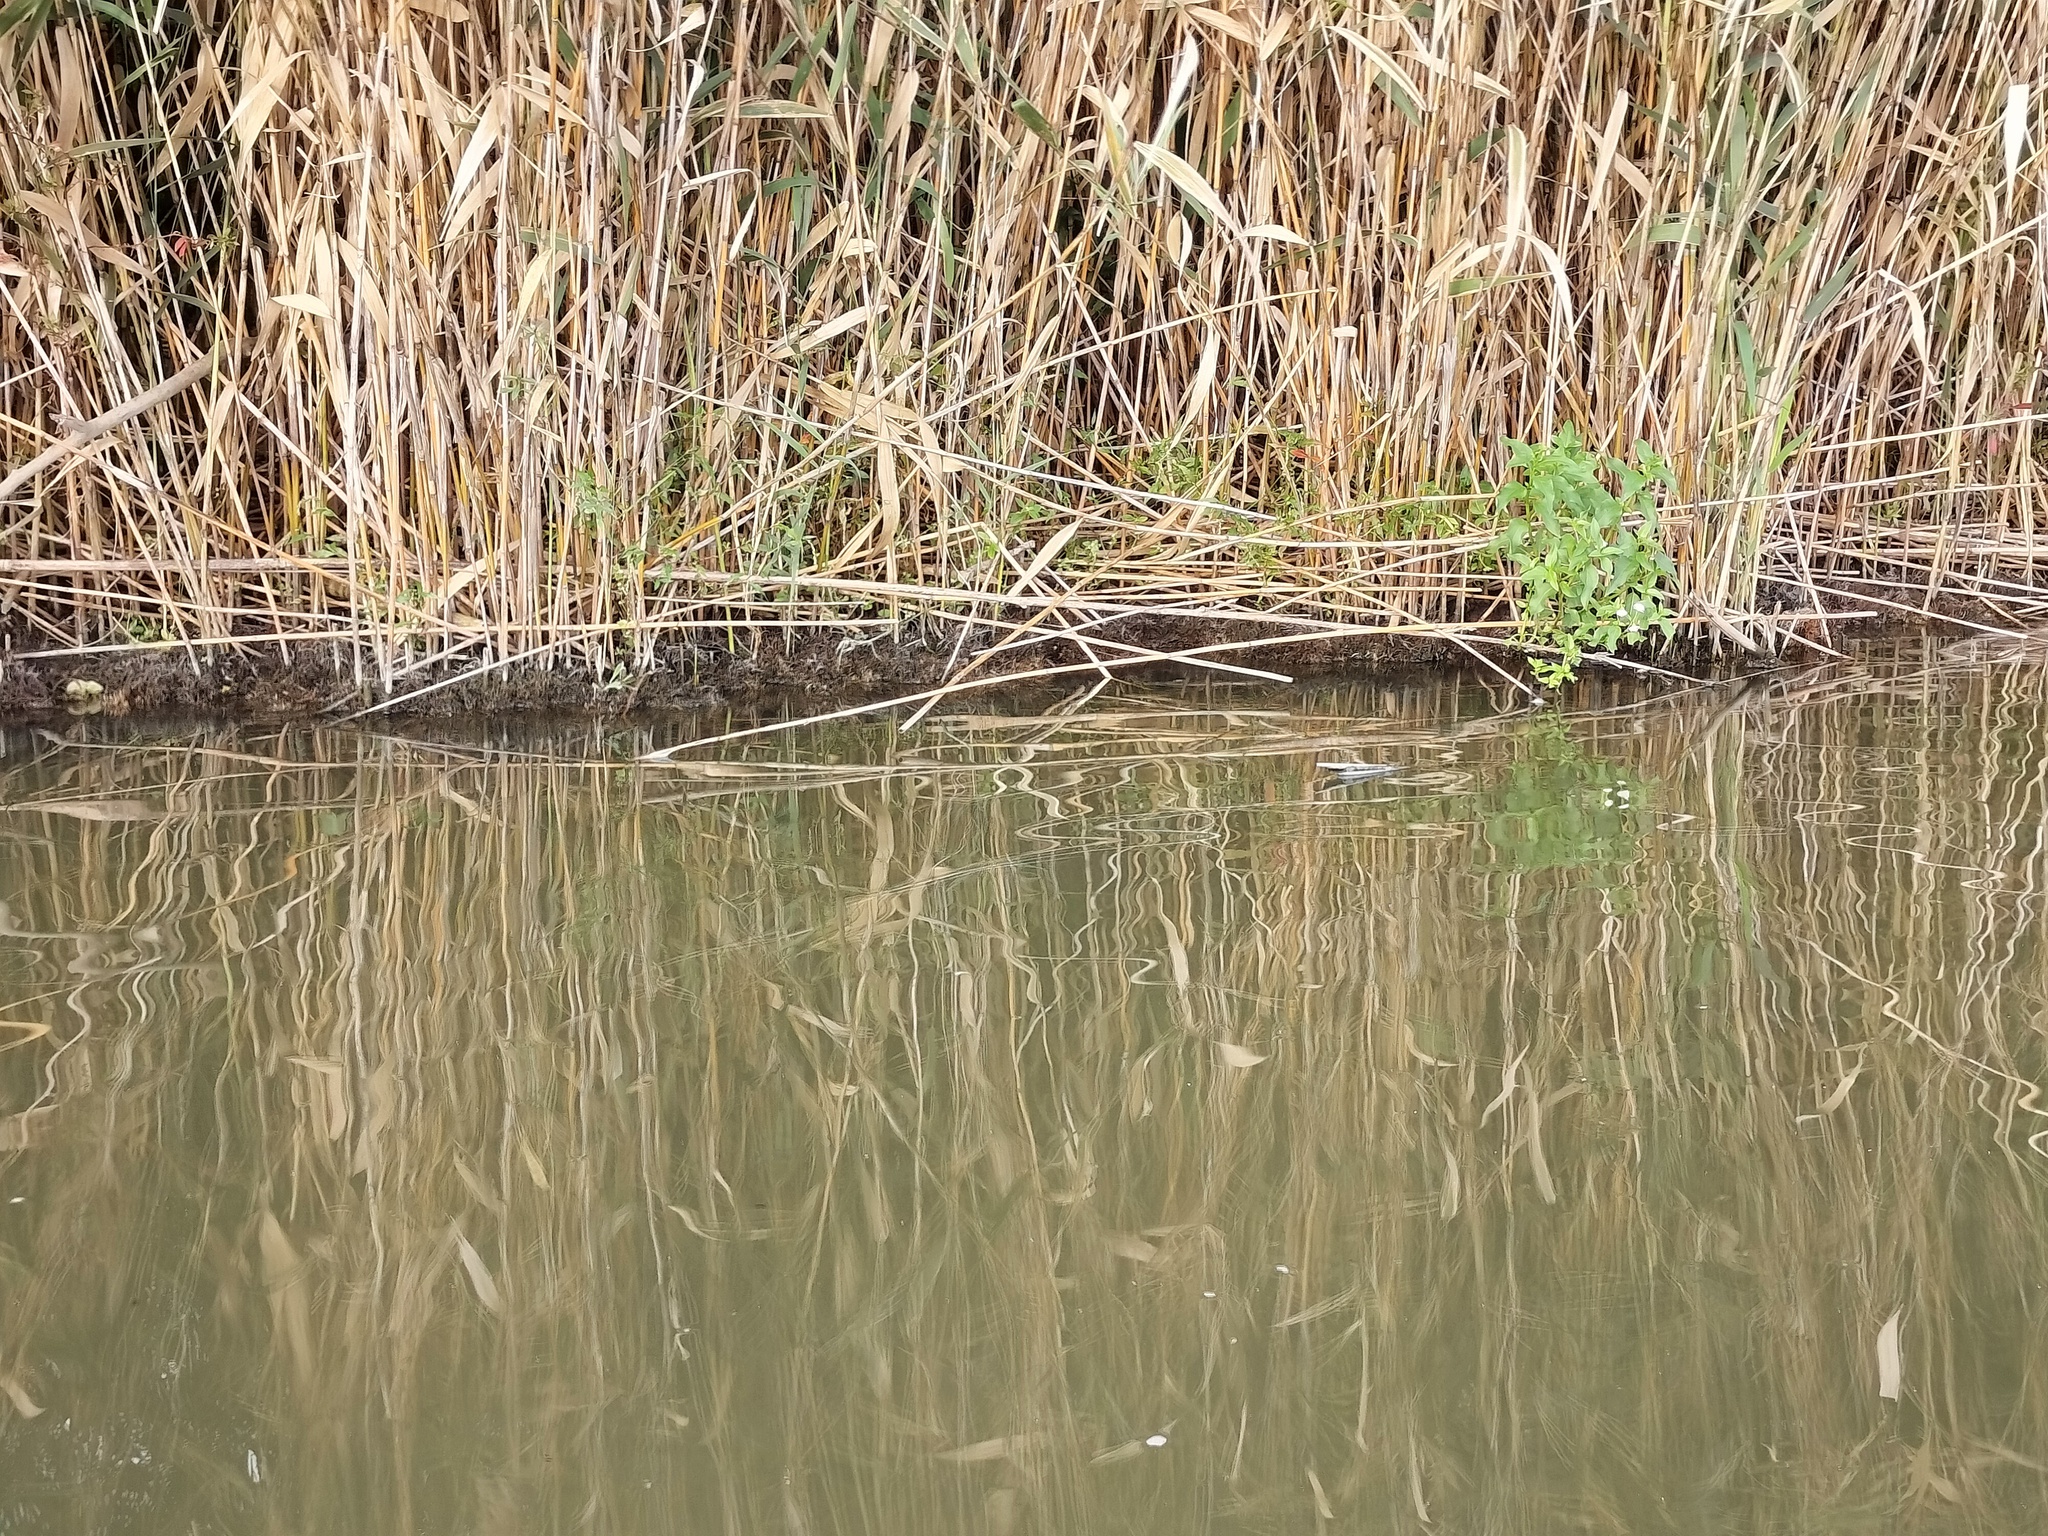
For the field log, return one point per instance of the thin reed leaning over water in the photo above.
(565, 337)
(1543, 1134)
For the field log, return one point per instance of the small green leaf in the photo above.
(1035, 121)
(28, 17)
(1745, 357)
(1830, 291)
(1685, 231)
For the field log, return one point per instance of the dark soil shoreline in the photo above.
(809, 670)
(818, 670)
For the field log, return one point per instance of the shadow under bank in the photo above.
(812, 670)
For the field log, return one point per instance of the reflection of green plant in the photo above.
(1591, 566)
(1561, 809)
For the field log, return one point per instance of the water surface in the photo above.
(1097, 1120)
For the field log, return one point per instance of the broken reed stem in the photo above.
(81, 434)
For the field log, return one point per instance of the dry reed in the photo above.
(571, 331)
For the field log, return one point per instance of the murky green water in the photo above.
(1088, 1123)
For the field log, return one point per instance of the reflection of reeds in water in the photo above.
(451, 1141)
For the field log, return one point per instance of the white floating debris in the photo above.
(1889, 1358)
(1282, 1269)
(1360, 770)
(1155, 1441)
(1208, 1295)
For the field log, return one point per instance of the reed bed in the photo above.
(468, 1140)
(567, 333)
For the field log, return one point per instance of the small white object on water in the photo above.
(1208, 1295)
(1155, 1441)
(1889, 1358)
(255, 1472)
(1282, 1269)
(1355, 771)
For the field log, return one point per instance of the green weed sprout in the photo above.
(1592, 569)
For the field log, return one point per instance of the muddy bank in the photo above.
(255, 682)
(820, 670)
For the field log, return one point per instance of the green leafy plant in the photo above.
(1170, 469)
(1438, 511)
(1253, 549)
(1080, 555)
(1286, 494)
(594, 505)
(1591, 566)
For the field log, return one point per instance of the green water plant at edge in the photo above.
(1591, 565)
